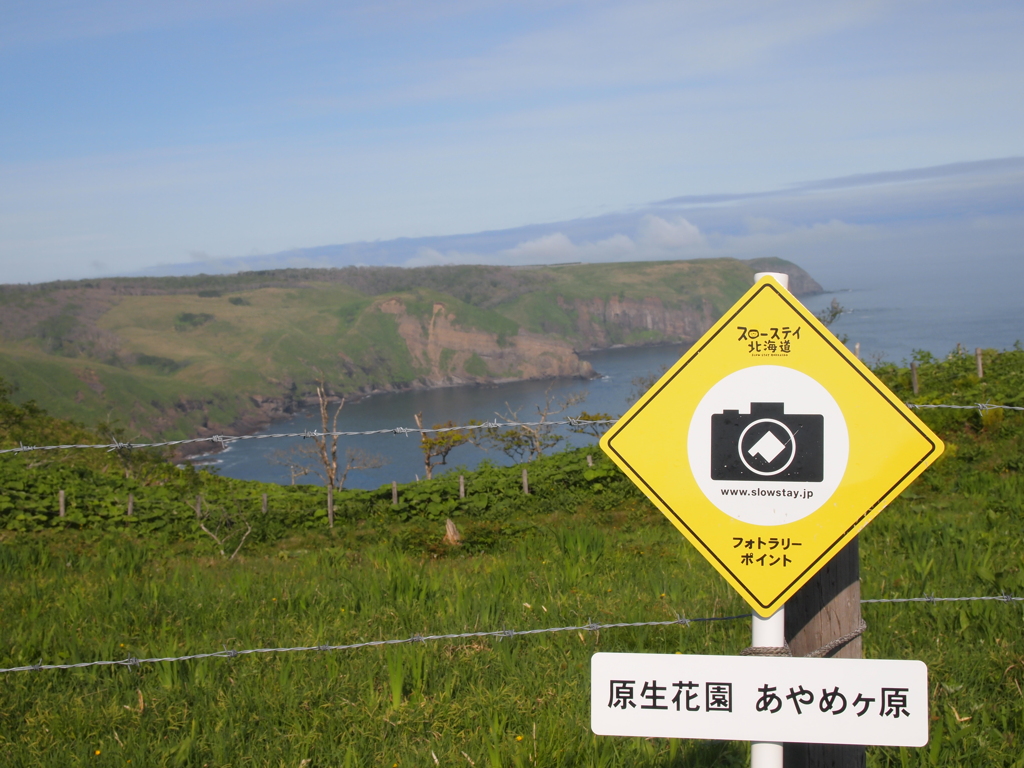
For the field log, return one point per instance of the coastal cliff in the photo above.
(601, 323)
(448, 354)
(183, 357)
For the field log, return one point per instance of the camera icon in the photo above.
(767, 444)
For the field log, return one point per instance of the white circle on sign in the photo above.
(768, 445)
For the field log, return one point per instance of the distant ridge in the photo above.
(196, 355)
(710, 226)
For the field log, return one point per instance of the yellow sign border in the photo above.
(935, 450)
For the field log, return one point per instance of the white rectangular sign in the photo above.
(749, 698)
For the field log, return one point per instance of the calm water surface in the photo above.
(257, 460)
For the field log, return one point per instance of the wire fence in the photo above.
(500, 634)
(975, 407)
(933, 599)
(228, 439)
(224, 440)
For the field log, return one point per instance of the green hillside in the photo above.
(176, 357)
(583, 548)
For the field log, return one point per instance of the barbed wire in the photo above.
(225, 440)
(501, 634)
(975, 407)
(933, 599)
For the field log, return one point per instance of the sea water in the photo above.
(891, 310)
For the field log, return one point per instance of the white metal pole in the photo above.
(768, 633)
(782, 277)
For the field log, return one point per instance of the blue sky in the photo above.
(141, 133)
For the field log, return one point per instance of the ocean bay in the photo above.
(258, 459)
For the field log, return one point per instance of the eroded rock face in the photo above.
(451, 354)
(602, 323)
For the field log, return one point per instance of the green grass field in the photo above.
(583, 547)
(76, 597)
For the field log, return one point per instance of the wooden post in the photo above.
(451, 534)
(462, 487)
(913, 377)
(60, 503)
(526, 483)
(394, 493)
(825, 609)
(590, 460)
(265, 505)
(330, 505)
(856, 350)
(199, 507)
(131, 504)
(977, 358)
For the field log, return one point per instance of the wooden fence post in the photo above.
(462, 487)
(451, 534)
(60, 503)
(825, 609)
(265, 505)
(131, 504)
(330, 505)
(977, 358)
(913, 377)
(856, 350)
(590, 460)
(394, 493)
(526, 483)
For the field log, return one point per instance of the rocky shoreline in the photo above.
(269, 409)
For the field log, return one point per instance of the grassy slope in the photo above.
(126, 349)
(584, 546)
(674, 284)
(281, 336)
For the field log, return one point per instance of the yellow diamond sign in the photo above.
(770, 446)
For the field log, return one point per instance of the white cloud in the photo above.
(547, 249)
(656, 232)
(656, 239)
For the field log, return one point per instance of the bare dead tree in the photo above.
(220, 542)
(225, 522)
(438, 445)
(294, 459)
(357, 458)
(529, 442)
(327, 444)
(303, 459)
(322, 456)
